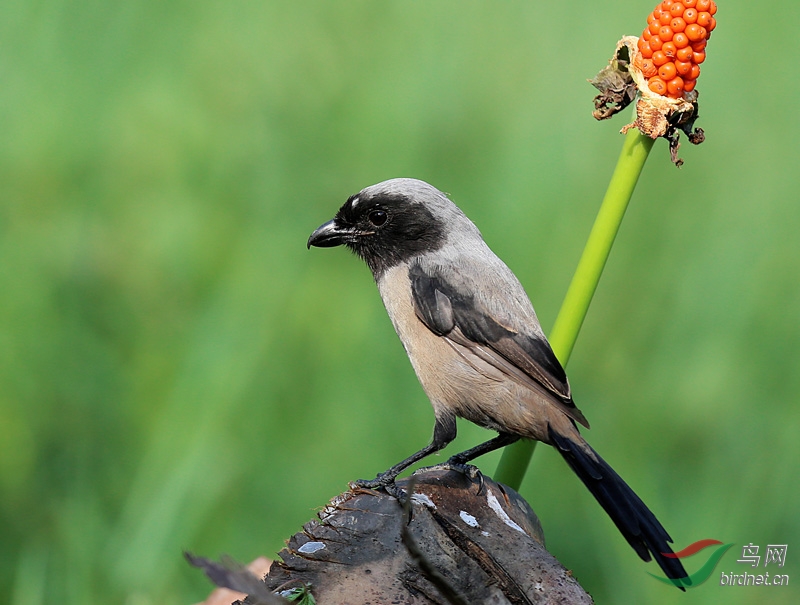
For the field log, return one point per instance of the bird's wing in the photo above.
(449, 306)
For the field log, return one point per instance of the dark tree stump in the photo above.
(459, 540)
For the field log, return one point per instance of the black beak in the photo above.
(329, 235)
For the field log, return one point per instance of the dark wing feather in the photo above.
(451, 312)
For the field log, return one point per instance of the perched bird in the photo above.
(475, 343)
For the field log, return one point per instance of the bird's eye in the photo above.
(377, 217)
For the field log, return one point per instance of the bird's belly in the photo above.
(482, 394)
(456, 381)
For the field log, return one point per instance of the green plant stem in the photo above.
(635, 149)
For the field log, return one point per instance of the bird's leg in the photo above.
(387, 477)
(444, 431)
(503, 439)
(458, 462)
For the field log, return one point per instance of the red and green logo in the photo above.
(701, 575)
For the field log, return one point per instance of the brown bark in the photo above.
(458, 540)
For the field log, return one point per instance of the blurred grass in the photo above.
(177, 371)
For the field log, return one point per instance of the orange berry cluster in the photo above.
(673, 45)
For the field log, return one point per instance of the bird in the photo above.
(476, 345)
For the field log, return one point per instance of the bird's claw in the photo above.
(376, 483)
(383, 481)
(386, 481)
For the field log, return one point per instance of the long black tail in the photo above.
(631, 516)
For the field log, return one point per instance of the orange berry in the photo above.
(698, 58)
(657, 85)
(648, 69)
(680, 40)
(655, 43)
(703, 5)
(690, 15)
(688, 85)
(667, 71)
(666, 4)
(677, 24)
(646, 35)
(659, 58)
(695, 73)
(654, 27)
(713, 8)
(703, 19)
(676, 10)
(683, 67)
(665, 18)
(675, 87)
(668, 48)
(684, 54)
(689, 3)
(695, 32)
(665, 33)
(645, 49)
(699, 45)
(653, 17)
(711, 26)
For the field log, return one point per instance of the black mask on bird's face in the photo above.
(383, 230)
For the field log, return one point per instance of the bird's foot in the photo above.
(378, 482)
(384, 481)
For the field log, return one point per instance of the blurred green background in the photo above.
(177, 371)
